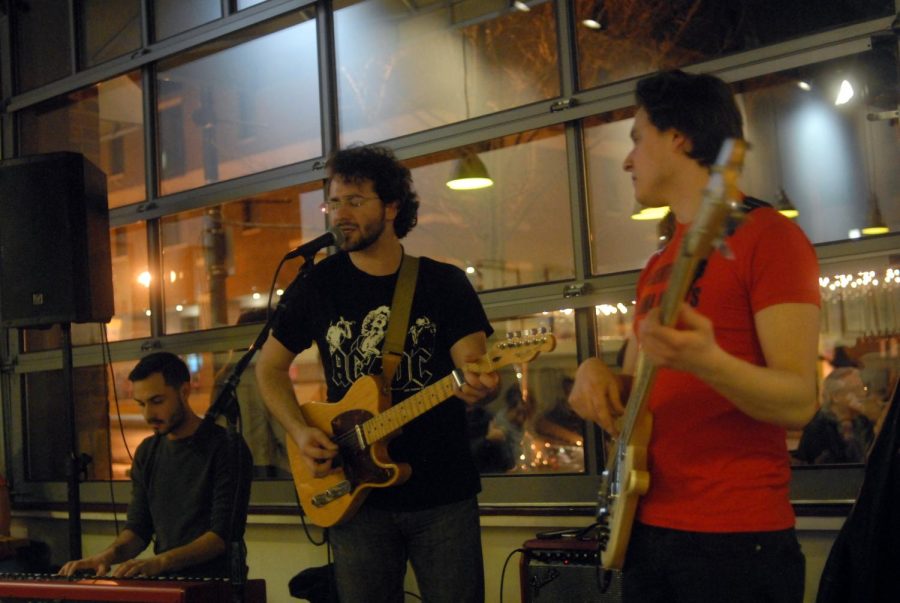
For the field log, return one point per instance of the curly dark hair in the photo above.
(700, 106)
(174, 371)
(391, 179)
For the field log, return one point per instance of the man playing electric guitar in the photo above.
(716, 524)
(344, 306)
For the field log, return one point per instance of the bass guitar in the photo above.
(363, 423)
(626, 478)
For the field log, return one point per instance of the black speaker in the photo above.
(54, 241)
(566, 570)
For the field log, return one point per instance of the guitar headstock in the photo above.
(519, 346)
(715, 218)
(718, 213)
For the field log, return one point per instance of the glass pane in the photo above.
(42, 44)
(833, 158)
(218, 263)
(247, 104)
(617, 40)
(131, 296)
(405, 67)
(107, 29)
(859, 350)
(128, 245)
(47, 431)
(528, 427)
(176, 16)
(618, 243)
(860, 300)
(105, 123)
(832, 162)
(264, 435)
(513, 233)
(242, 4)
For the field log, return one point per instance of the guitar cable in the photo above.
(503, 571)
(107, 363)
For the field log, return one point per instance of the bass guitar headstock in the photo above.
(718, 215)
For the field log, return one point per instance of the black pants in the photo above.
(673, 566)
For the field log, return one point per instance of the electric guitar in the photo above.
(363, 423)
(625, 478)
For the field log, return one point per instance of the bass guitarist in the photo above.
(716, 524)
(343, 307)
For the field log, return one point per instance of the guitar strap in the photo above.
(395, 337)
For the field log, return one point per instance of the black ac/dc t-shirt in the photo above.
(345, 311)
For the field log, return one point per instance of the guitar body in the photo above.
(635, 481)
(363, 423)
(330, 499)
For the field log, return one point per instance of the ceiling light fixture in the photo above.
(784, 205)
(649, 213)
(845, 93)
(469, 173)
(875, 225)
(595, 19)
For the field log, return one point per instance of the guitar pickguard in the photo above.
(355, 456)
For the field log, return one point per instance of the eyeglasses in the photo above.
(352, 201)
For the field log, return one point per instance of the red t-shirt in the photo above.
(713, 468)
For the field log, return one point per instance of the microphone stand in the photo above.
(226, 404)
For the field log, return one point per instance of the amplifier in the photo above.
(566, 570)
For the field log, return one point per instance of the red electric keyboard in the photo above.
(145, 590)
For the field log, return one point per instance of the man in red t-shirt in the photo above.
(737, 370)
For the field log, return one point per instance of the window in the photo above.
(618, 40)
(104, 122)
(218, 262)
(513, 233)
(241, 126)
(107, 29)
(528, 427)
(407, 67)
(263, 81)
(42, 43)
(175, 16)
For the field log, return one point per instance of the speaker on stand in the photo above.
(566, 570)
(55, 266)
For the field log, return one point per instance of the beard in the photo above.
(365, 235)
(175, 421)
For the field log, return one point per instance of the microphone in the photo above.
(333, 237)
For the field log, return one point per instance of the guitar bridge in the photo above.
(340, 489)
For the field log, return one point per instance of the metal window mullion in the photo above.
(146, 25)
(327, 58)
(565, 27)
(7, 140)
(154, 259)
(73, 39)
(151, 183)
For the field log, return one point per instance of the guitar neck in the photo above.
(398, 415)
(644, 374)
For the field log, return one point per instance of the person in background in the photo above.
(843, 428)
